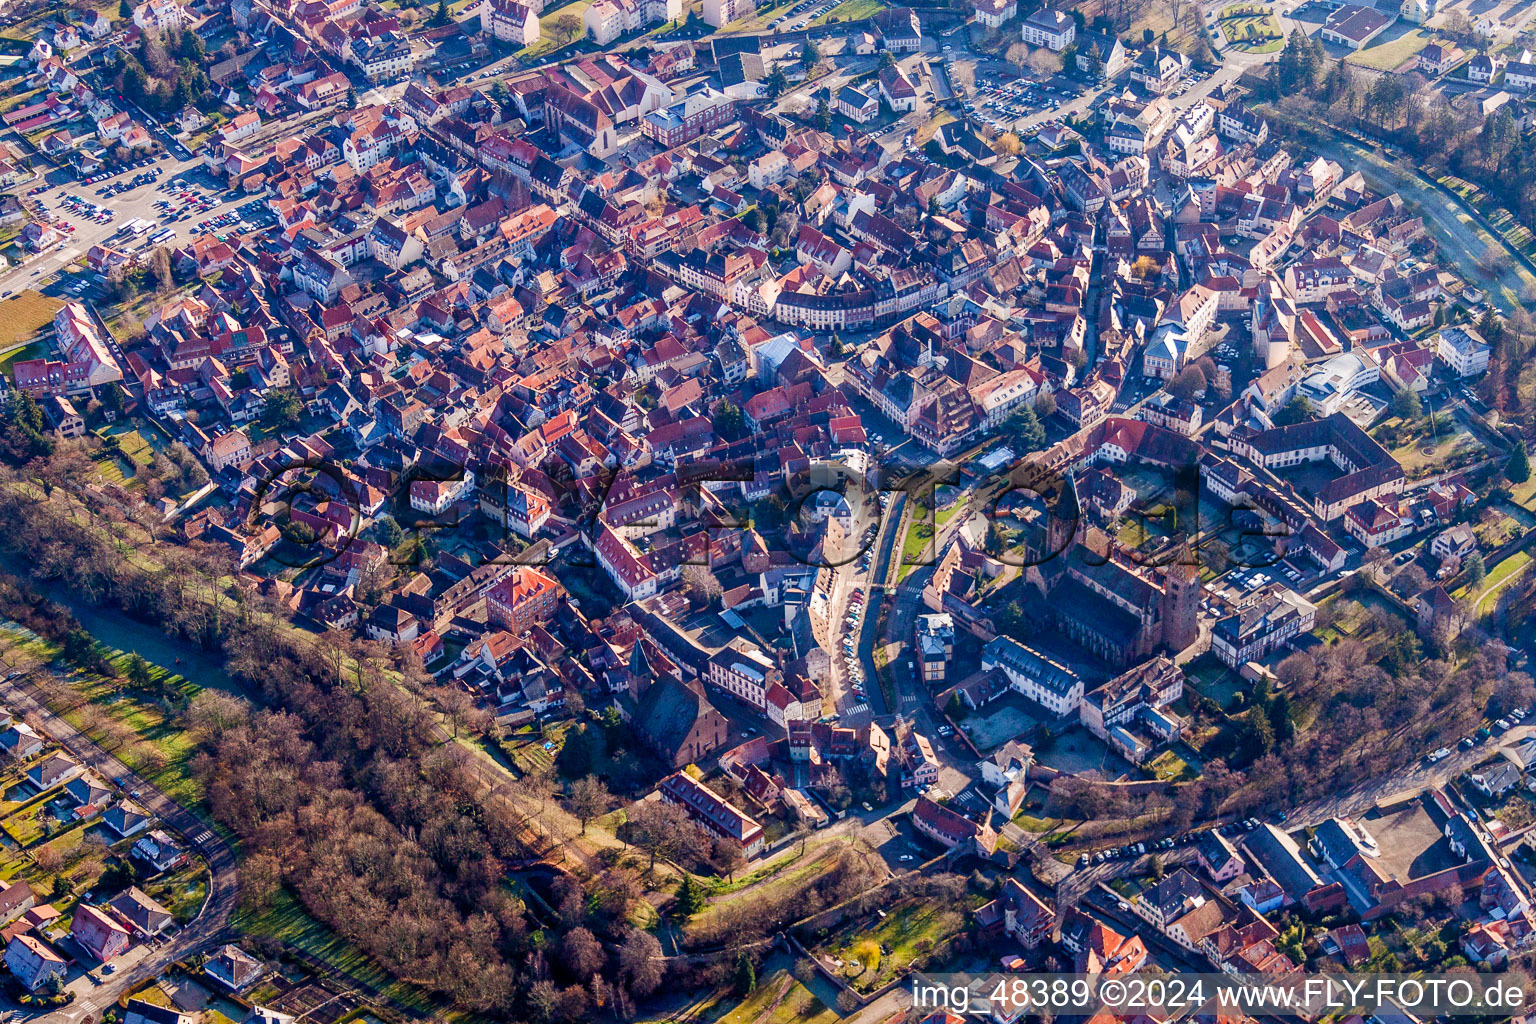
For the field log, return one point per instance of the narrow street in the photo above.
(223, 882)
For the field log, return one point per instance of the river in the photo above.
(1462, 239)
(118, 630)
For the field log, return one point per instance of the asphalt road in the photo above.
(223, 885)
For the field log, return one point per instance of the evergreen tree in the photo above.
(1282, 718)
(25, 435)
(729, 421)
(575, 757)
(776, 82)
(1024, 429)
(112, 398)
(1095, 62)
(1406, 405)
(690, 897)
(1518, 469)
(138, 672)
(746, 976)
(1256, 737)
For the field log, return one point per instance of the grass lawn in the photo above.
(723, 887)
(22, 316)
(21, 796)
(1524, 494)
(1214, 681)
(32, 824)
(1391, 48)
(925, 134)
(138, 732)
(549, 41)
(803, 874)
(132, 443)
(891, 943)
(1030, 823)
(132, 726)
(1251, 28)
(851, 10)
(1425, 454)
(181, 891)
(944, 515)
(1171, 767)
(287, 922)
(1501, 574)
(917, 547)
(780, 999)
(527, 748)
(759, 18)
(30, 350)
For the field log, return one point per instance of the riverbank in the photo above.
(1457, 231)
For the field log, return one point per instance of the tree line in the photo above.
(1488, 150)
(338, 792)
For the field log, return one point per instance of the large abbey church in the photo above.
(1097, 595)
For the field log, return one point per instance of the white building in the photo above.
(746, 673)
(856, 105)
(511, 22)
(606, 20)
(159, 15)
(1329, 386)
(999, 397)
(1054, 687)
(1462, 350)
(32, 962)
(993, 13)
(719, 13)
(1255, 630)
(1050, 28)
(434, 497)
(1520, 76)
(769, 169)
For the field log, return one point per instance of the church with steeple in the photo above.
(1098, 594)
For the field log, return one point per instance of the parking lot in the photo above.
(1003, 104)
(804, 12)
(155, 196)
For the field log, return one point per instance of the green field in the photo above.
(22, 316)
(1500, 575)
(759, 19)
(287, 922)
(891, 943)
(1431, 454)
(28, 826)
(1170, 767)
(918, 548)
(20, 353)
(780, 999)
(1391, 48)
(548, 41)
(851, 10)
(1250, 27)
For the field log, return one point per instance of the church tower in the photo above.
(1181, 602)
(1065, 518)
(1046, 550)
